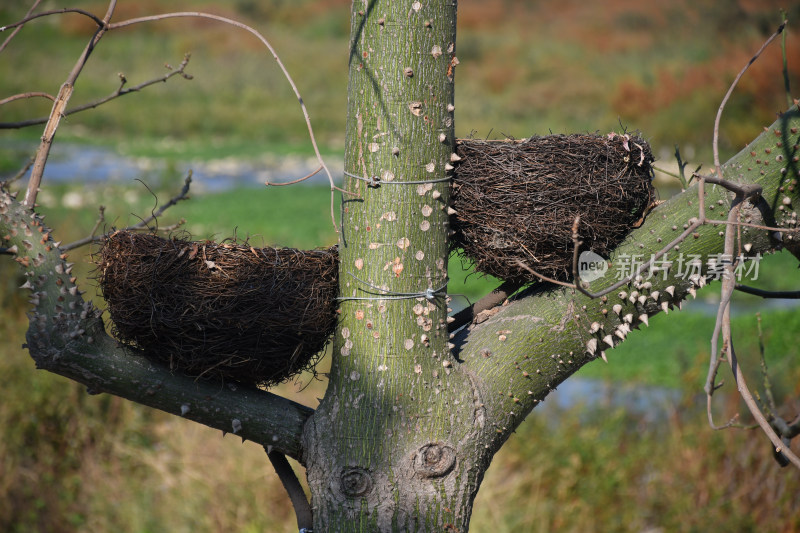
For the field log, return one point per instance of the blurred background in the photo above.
(620, 447)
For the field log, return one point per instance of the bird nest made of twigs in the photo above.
(220, 311)
(517, 200)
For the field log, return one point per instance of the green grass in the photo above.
(661, 70)
(674, 350)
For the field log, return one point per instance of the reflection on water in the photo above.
(647, 403)
(90, 164)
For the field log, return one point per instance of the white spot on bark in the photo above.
(436, 51)
(424, 225)
(430, 167)
(373, 147)
(420, 255)
(403, 243)
(359, 263)
(427, 210)
(408, 344)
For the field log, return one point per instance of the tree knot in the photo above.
(434, 460)
(356, 482)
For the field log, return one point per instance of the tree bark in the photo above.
(394, 445)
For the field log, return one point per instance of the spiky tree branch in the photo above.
(530, 346)
(67, 337)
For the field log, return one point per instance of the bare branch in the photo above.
(715, 142)
(139, 226)
(266, 43)
(56, 113)
(18, 28)
(100, 22)
(741, 224)
(782, 450)
(121, 91)
(788, 295)
(764, 371)
(694, 223)
(544, 278)
(302, 508)
(778, 442)
(304, 178)
(32, 94)
(18, 175)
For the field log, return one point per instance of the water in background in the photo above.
(91, 164)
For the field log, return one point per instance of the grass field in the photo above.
(525, 68)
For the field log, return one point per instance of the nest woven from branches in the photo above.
(220, 311)
(517, 200)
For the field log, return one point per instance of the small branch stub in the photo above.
(434, 460)
(356, 482)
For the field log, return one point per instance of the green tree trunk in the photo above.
(394, 444)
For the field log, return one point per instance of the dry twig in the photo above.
(142, 225)
(19, 27)
(120, 91)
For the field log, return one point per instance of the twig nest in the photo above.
(517, 200)
(220, 311)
